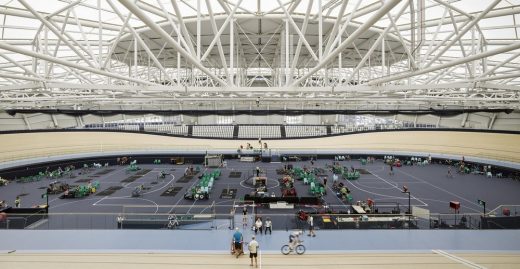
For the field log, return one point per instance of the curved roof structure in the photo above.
(288, 54)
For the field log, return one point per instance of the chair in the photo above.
(489, 175)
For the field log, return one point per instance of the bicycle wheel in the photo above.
(300, 249)
(286, 250)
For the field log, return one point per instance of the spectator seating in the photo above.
(305, 130)
(224, 131)
(338, 129)
(259, 131)
(128, 127)
(167, 128)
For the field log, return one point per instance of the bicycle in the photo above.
(299, 249)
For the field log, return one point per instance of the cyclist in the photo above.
(294, 239)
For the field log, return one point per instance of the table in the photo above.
(358, 209)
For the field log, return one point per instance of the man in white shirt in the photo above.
(268, 225)
(253, 250)
(310, 220)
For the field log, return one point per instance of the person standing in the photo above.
(253, 251)
(310, 220)
(325, 181)
(17, 202)
(268, 225)
(237, 242)
(257, 171)
(244, 215)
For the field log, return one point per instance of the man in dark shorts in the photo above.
(253, 250)
(237, 241)
(244, 216)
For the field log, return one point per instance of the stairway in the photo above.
(329, 130)
(235, 131)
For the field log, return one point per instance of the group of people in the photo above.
(259, 225)
(249, 146)
(189, 171)
(252, 246)
(17, 203)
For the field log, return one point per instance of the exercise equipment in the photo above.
(138, 191)
(3, 182)
(202, 190)
(80, 191)
(213, 160)
(133, 166)
(351, 175)
(57, 187)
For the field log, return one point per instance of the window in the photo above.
(294, 119)
(224, 119)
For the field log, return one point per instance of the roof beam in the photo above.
(302, 36)
(462, 32)
(371, 21)
(183, 29)
(377, 42)
(139, 39)
(217, 36)
(51, 27)
(474, 57)
(219, 43)
(304, 30)
(57, 18)
(157, 29)
(45, 57)
(335, 28)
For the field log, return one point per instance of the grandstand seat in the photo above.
(259, 131)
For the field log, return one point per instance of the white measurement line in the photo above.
(458, 259)
(394, 186)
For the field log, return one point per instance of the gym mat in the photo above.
(109, 191)
(22, 194)
(228, 195)
(42, 188)
(83, 180)
(104, 172)
(363, 171)
(171, 191)
(235, 174)
(130, 179)
(154, 183)
(185, 179)
(143, 172)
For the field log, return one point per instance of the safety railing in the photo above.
(22, 154)
(224, 221)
